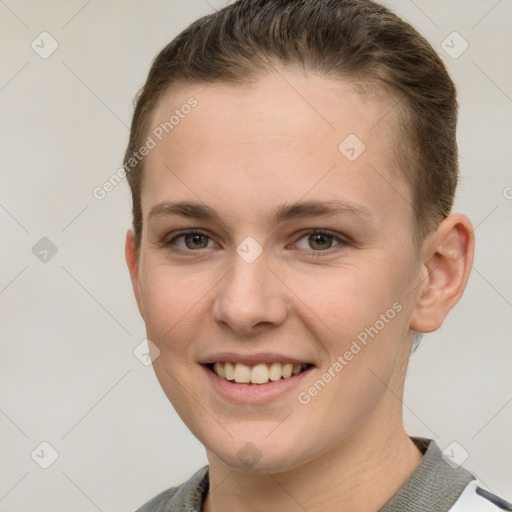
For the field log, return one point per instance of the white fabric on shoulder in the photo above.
(470, 501)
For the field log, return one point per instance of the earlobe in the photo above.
(448, 256)
(132, 261)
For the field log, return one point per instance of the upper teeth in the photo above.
(257, 374)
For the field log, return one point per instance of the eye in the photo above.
(316, 242)
(320, 241)
(192, 240)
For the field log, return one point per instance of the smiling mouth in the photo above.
(257, 374)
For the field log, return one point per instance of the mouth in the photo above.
(258, 374)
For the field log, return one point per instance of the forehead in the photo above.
(281, 103)
(277, 138)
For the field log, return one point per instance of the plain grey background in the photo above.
(69, 323)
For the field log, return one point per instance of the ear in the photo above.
(130, 252)
(447, 257)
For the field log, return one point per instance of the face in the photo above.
(303, 260)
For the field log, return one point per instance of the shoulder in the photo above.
(189, 495)
(475, 498)
(160, 502)
(440, 484)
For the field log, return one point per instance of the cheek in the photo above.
(171, 299)
(367, 317)
(361, 315)
(351, 297)
(338, 303)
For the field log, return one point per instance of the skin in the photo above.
(243, 151)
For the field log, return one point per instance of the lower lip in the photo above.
(254, 393)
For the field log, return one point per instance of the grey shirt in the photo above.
(434, 486)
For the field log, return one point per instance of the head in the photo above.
(316, 141)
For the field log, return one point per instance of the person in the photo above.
(293, 165)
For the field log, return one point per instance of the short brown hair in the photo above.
(357, 41)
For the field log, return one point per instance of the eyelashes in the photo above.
(319, 237)
(192, 234)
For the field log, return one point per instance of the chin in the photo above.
(261, 453)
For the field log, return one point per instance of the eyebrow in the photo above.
(285, 212)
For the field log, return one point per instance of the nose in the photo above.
(250, 297)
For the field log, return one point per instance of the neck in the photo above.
(357, 475)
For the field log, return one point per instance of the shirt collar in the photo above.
(434, 486)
